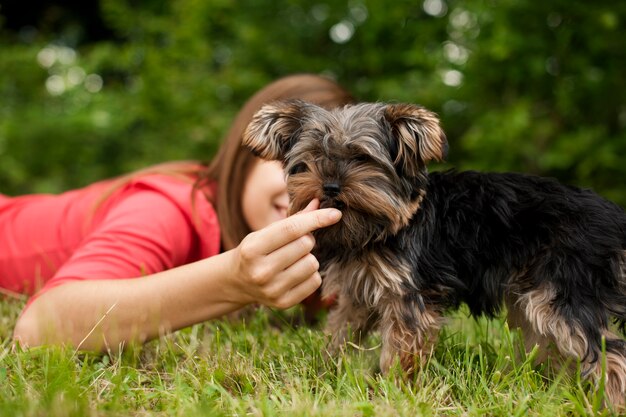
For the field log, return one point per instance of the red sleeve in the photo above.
(144, 233)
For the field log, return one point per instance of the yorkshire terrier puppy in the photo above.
(412, 245)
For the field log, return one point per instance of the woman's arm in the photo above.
(273, 267)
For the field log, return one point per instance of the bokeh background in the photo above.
(91, 89)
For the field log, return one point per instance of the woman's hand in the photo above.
(274, 266)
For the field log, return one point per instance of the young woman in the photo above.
(126, 260)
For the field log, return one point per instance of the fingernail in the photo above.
(334, 214)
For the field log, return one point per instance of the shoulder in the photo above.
(171, 202)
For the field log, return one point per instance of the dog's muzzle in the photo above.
(330, 197)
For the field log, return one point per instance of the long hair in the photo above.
(230, 167)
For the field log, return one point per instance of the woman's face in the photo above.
(264, 198)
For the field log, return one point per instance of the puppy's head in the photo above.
(368, 160)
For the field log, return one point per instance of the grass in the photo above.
(266, 366)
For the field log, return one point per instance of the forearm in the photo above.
(101, 314)
(273, 266)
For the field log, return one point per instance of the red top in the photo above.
(149, 225)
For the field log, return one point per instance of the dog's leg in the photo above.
(615, 370)
(408, 333)
(545, 324)
(347, 319)
(516, 318)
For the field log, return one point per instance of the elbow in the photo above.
(36, 325)
(27, 331)
(44, 322)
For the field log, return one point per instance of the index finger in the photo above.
(280, 233)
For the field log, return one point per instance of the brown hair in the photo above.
(230, 167)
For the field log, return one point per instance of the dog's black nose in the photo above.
(331, 189)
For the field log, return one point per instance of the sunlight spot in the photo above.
(319, 12)
(455, 53)
(75, 76)
(554, 20)
(342, 32)
(65, 55)
(55, 84)
(463, 24)
(93, 83)
(47, 57)
(460, 19)
(452, 78)
(358, 12)
(436, 8)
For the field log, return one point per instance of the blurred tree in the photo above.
(545, 92)
(525, 86)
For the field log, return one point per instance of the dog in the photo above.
(412, 245)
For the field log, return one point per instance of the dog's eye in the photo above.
(361, 158)
(297, 168)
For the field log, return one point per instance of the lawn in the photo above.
(268, 365)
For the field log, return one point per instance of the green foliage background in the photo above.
(527, 86)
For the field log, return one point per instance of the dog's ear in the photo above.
(419, 137)
(275, 128)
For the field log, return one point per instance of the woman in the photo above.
(126, 260)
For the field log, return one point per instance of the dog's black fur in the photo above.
(412, 245)
(474, 229)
